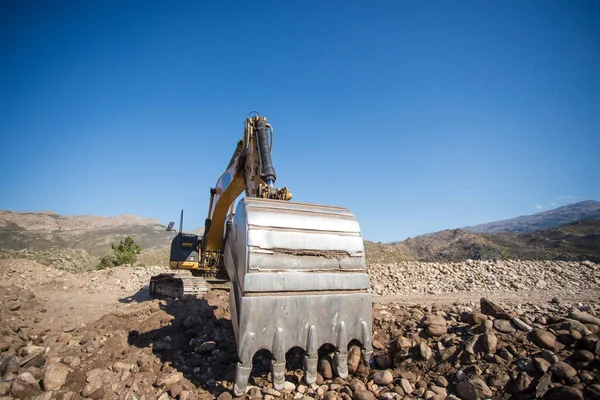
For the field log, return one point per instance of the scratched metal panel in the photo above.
(290, 281)
(294, 240)
(258, 261)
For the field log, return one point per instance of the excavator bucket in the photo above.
(298, 279)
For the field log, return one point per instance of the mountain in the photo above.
(575, 241)
(77, 242)
(43, 230)
(585, 210)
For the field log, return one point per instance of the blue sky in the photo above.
(418, 116)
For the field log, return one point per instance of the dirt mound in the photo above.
(31, 274)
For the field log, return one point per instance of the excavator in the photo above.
(296, 271)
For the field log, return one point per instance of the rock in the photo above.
(543, 339)
(521, 325)
(272, 392)
(403, 342)
(121, 367)
(585, 376)
(168, 379)
(176, 389)
(593, 392)
(10, 364)
(383, 377)
(225, 396)
(520, 384)
(320, 379)
(441, 381)
(55, 376)
(439, 390)
(357, 385)
(406, 386)
(563, 370)
(489, 308)
(25, 386)
(549, 356)
(363, 395)
(289, 386)
(383, 361)
(377, 345)
(164, 396)
(190, 322)
(583, 355)
(476, 318)
(254, 392)
(584, 317)
(473, 389)
(325, 368)
(543, 385)
(429, 320)
(330, 395)
(161, 346)
(69, 328)
(499, 380)
(541, 364)
(14, 305)
(460, 375)
(354, 357)
(436, 330)
(425, 351)
(206, 347)
(504, 326)
(564, 393)
(488, 341)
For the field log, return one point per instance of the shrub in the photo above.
(126, 252)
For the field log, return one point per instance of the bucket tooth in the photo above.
(278, 364)
(242, 374)
(341, 354)
(244, 366)
(311, 357)
(367, 342)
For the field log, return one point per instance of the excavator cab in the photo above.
(184, 251)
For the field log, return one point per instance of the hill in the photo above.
(584, 210)
(575, 241)
(74, 242)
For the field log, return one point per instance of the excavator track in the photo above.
(178, 285)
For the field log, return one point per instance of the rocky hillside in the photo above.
(74, 241)
(575, 241)
(570, 213)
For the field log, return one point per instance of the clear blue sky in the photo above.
(417, 115)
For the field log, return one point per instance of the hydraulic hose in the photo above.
(267, 172)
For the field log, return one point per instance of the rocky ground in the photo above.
(99, 335)
(480, 276)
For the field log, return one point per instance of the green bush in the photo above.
(107, 262)
(126, 252)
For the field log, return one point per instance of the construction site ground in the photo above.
(101, 335)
